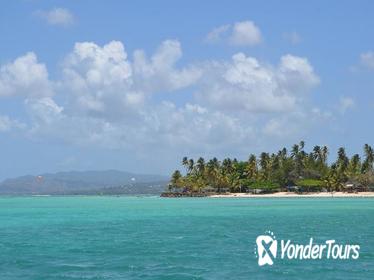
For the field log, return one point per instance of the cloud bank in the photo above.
(106, 98)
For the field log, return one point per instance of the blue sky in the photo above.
(137, 85)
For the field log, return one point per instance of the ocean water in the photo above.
(188, 238)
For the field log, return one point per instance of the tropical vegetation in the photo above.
(296, 169)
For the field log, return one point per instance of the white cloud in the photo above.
(164, 125)
(7, 124)
(217, 33)
(249, 85)
(292, 37)
(100, 66)
(295, 124)
(199, 128)
(25, 76)
(244, 33)
(106, 99)
(296, 75)
(367, 59)
(99, 80)
(345, 104)
(104, 83)
(57, 16)
(44, 110)
(159, 73)
(279, 128)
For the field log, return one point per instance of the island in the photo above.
(285, 173)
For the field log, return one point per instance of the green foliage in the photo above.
(309, 183)
(266, 185)
(309, 170)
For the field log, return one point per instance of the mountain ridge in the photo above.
(77, 182)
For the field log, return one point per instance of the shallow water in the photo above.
(164, 238)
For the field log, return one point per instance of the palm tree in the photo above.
(185, 163)
(295, 151)
(200, 166)
(369, 158)
(274, 163)
(227, 167)
(212, 171)
(354, 165)
(279, 168)
(298, 155)
(343, 160)
(333, 180)
(175, 181)
(191, 165)
(317, 153)
(283, 153)
(342, 165)
(252, 167)
(198, 184)
(222, 181)
(264, 164)
(324, 154)
(302, 145)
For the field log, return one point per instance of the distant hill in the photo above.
(85, 182)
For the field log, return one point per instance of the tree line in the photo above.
(277, 171)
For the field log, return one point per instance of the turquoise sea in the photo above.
(164, 238)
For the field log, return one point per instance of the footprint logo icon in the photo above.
(266, 249)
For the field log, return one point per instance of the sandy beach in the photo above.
(290, 194)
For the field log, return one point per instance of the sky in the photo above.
(137, 85)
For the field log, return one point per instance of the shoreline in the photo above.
(293, 195)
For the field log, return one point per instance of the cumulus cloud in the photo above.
(244, 33)
(165, 126)
(159, 73)
(99, 79)
(106, 98)
(249, 85)
(100, 66)
(209, 129)
(25, 76)
(103, 82)
(57, 16)
(367, 59)
(296, 74)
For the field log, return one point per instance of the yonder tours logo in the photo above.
(267, 251)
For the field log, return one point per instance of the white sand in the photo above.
(291, 194)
